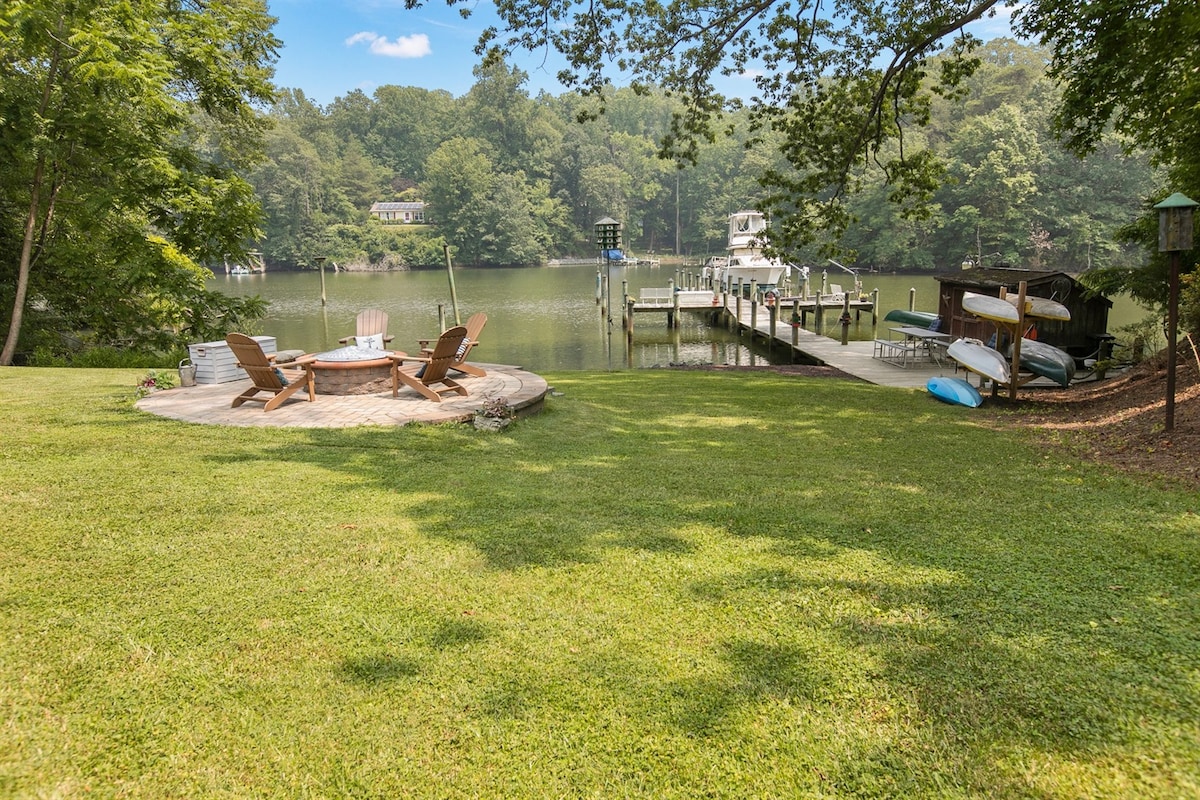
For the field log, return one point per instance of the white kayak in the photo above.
(992, 308)
(981, 360)
(1042, 308)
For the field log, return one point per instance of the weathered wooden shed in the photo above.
(1080, 337)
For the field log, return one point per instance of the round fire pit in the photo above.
(348, 370)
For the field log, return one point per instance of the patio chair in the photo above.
(428, 375)
(474, 325)
(280, 381)
(370, 323)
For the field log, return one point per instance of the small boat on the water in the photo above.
(239, 269)
(1047, 361)
(918, 319)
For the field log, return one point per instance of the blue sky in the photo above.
(332, 47)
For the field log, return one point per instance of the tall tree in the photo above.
(124, 125)
(839, 81)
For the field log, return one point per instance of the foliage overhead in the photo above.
(842, 82)
(125, 126)
(836, 81)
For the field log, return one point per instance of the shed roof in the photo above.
(989, 280)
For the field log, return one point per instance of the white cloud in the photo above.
(415, 46)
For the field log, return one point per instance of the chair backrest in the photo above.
(370, 322)
(251, 358)
(475, 324)
(443, 354)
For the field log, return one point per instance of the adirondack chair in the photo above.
(428, 375)
(370, 322)
(474, 325)
(265, 375)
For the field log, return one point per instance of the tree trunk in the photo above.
(14, 325)
(35, 198)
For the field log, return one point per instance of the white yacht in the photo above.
(746, 262)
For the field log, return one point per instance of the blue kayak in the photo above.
(955, 391)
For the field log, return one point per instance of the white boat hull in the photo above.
(981, 360)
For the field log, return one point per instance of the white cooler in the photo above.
(215, 363)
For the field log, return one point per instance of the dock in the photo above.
(774, 325)
(854, 358)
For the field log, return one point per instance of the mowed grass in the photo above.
(669, 585)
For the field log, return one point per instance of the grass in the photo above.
(669, 584)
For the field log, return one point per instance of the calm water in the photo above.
(541, 318)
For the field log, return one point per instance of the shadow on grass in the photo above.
(960, 576)
(378, 669)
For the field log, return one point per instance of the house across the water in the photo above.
(1082, 336)
(399, 213)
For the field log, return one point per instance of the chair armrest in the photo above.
(345, 339)
(425, 343)
(400, 357)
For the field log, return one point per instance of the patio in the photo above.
(208, 404)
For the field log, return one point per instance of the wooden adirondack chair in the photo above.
(370, 322)
(428, 375)
(474, 325)
(264, 374)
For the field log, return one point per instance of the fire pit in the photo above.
(348, 370)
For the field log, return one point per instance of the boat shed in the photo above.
(1082, 336)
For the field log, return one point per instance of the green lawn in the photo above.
(668, 585)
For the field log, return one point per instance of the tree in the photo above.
(835, 83)
(1133, 68)
(124, 125)
(838, 82)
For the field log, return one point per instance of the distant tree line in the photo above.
(509, 178)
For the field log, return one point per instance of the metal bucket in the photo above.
(187, 373)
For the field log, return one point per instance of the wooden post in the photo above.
(321, 266)
(773, 317)
(626, 311)
(450, 275)
(1016, 345)
(875, 307)
(912, 299)
(441, 316)
(845, 318)
(599, 287)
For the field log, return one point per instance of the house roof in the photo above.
(417, 206)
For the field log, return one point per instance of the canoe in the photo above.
(981, 360)
(955, 391)
(1047, 361)
(1042, 308)
(918, 319)
(987, 307)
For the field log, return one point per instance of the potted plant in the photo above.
(494, 415)
(154, 381)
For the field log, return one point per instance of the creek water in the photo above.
(540, 318)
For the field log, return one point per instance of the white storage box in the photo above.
(215, 362)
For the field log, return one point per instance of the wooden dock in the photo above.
(853, 358)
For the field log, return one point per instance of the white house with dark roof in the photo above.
(399, 213)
